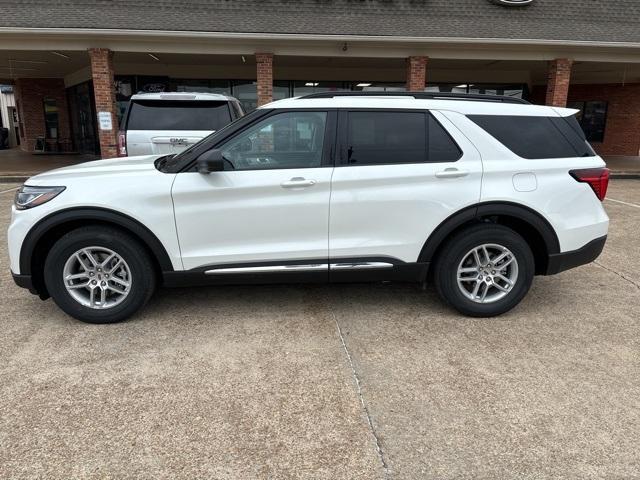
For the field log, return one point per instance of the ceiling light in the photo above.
(244, 60)
(154, 57)
(311, 84)
(363, 85)
(464, 85)
(62, 55)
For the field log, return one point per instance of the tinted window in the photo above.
(285, 140)
(378, 138)
(177, 115)
(442, 148)
(534, 137)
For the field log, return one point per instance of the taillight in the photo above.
(122, 144)
(597, 178)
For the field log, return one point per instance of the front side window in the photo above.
(284, 140)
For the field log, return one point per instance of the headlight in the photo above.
(29, 197)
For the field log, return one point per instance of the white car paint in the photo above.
(131, 186)
(386, 210)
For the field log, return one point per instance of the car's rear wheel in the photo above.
(484, 270)
(99, 274)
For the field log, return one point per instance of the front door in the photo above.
(401, 174)
(268, 210)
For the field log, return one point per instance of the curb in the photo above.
(13, 178)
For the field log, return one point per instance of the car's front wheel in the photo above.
(99, 274)
(485, 270)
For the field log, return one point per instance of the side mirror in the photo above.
(210, 161)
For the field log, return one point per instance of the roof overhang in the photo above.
(314, 45)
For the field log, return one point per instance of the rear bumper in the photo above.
(559, 262)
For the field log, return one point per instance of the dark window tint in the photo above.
(442, 148)
(178, 115)
(378, 138)
(534, 137)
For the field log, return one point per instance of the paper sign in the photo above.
(104, 120)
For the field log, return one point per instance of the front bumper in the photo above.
(559, 262)
(24, 281)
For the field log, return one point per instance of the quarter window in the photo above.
(535, 137)
(284, 140)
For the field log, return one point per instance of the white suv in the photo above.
(475, 193)
(171, 122)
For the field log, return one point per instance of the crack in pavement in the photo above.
(356, 379)
(618, 274)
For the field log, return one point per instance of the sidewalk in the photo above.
(17, 166)
(623, 167)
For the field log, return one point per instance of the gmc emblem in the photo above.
(178, 141)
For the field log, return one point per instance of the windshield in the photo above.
(178, 115)
(174, 163)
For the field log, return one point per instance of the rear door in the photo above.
(401, 174)
(170, 126)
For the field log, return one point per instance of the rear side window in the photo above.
(382, 138)
(536, 137)
(177, 115)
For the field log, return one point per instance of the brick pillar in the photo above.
(30, 94)
(264, 72)
(105, 98)
(558, 79)
(417, 73)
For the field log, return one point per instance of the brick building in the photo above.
(71, 60)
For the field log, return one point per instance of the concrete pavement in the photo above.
(355, 381)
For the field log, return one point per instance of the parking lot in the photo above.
(348, 381)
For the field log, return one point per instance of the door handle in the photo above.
(452, 173)
(298, 182)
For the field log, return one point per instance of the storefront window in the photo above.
(222, 87)
(378, 86)
(306, 88)
(516, 90)
(592, 118)
(82, 113)
(50, 117)
(246, 92)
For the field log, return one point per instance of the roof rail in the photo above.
(473, 97)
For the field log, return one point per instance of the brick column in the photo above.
(105, 98)
(558, 79)
(264, 73)
(416, 73)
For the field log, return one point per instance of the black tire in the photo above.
(455, 250)
(143, 276)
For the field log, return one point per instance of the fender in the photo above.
(87, 214)
(487, 209)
